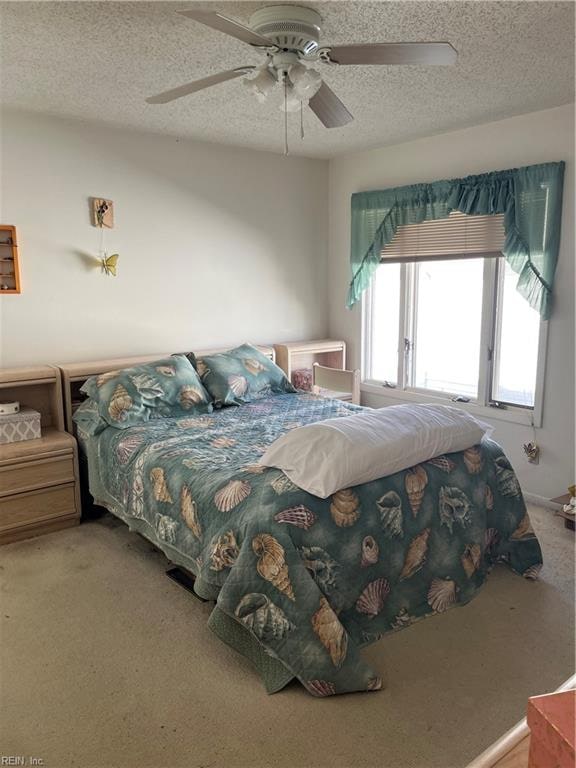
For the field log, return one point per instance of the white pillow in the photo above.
(325, 457)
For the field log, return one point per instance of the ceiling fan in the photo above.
(289, 37)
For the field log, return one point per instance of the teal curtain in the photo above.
(530, 199)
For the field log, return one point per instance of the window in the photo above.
(451, 327)
(517, 331)
(446, 353)
(386, 323)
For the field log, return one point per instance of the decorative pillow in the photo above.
(241, 375)
(330, 455)
(162, 389)
(190, 356)
(87, 418)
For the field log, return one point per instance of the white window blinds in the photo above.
(458, 236)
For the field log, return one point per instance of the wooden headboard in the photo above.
(75, 374)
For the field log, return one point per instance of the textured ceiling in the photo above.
(100, 60)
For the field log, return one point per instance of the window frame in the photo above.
(484, 404)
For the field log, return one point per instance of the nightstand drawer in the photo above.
(30, 475)
(36, 506)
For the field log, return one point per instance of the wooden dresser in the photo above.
(39, 489)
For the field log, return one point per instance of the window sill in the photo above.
(521, 416)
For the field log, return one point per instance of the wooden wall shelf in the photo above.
(9, 265)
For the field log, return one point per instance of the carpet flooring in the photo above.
(107, 663)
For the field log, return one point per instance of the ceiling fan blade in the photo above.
(394, 53)
(329, 109)
(197, 85)
(228, 26)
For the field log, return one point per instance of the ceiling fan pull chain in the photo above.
(302, 120)
(285, 78)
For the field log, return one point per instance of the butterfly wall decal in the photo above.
(109, 264)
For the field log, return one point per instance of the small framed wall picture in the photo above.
(102, 212)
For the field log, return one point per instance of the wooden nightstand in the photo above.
(39, 489)
(297, 355)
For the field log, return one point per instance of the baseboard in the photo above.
(495, 752)
(541, 501)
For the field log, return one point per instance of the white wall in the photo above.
(535, 138)
(217, 245)
(220, 245)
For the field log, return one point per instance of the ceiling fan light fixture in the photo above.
(305, 81)
(292, 103)
(262, 84)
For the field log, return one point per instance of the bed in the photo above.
(301, 583)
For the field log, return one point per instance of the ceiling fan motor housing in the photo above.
(289, 26)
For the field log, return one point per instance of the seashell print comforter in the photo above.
(312, 580)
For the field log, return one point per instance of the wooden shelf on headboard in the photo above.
(292, 355)
(37, 387)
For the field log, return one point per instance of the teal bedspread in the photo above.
(312, 580)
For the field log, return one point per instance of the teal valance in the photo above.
(530, 199)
